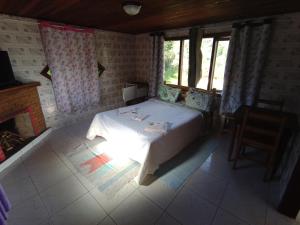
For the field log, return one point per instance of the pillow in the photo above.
(199, 100)
(167, 93)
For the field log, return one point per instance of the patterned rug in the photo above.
(110, 172)
(105, 171)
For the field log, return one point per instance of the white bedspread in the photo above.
(150, 149)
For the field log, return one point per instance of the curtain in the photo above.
(157, 64)
(71, 57)
(245, 60)
(195, 56)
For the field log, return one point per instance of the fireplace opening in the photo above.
(15, 132)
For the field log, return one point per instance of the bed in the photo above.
(150, 149)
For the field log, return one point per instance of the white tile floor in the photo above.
(45, 189)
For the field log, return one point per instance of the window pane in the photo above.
(206, 48)
(220, 62)
(185, 63)
(171, 58)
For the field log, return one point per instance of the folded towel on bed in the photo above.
(126, 110)
(132, 113)
(138, 117)
(134, 116)
(157, 127)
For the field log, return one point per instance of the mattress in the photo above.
(150, 149)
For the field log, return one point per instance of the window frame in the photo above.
(218, 36)
(223, 36)
(181, 52)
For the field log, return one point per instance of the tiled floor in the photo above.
(45, 189)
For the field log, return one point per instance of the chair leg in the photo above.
(224, 124)
(233, 141)
(236, 155)
(270, 167)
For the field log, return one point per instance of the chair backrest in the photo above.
(262, 125)
(270, 104)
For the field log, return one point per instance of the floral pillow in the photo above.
(167, 93)
(199, 100)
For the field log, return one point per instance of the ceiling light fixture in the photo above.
(132, 8)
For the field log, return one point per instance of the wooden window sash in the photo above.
(216, 40)
(212, 64)
(180, 62)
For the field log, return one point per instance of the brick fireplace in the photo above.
(21, 118)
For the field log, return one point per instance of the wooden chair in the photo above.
(270, 104)
(230, 118)
(262, 130)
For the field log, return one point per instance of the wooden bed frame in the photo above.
(184, 91)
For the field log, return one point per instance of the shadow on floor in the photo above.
(176, 171)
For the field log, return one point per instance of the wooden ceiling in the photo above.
(154, 15)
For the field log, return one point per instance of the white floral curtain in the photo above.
(71, 57)
(246, 56)
(157, 64)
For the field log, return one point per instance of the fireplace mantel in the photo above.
(20, 87)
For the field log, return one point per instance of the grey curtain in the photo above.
(245, 60)
(195, 56)
(157, 64)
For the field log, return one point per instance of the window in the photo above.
(214, 53)
(176, 57)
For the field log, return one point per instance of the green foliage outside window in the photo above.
(171, 53)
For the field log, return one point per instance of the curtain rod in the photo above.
(220, 25)
(158, 33)
(37, 22)
(22, 20)
(252, 23)
(211, 26)
(165, 32)
(46, 23)
(65, 27)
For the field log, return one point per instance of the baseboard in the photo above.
(27, 148)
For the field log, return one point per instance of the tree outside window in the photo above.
(176, 57)
(214, 54)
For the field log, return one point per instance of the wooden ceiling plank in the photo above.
(64, 6)
(155, 14)
(29, 7)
